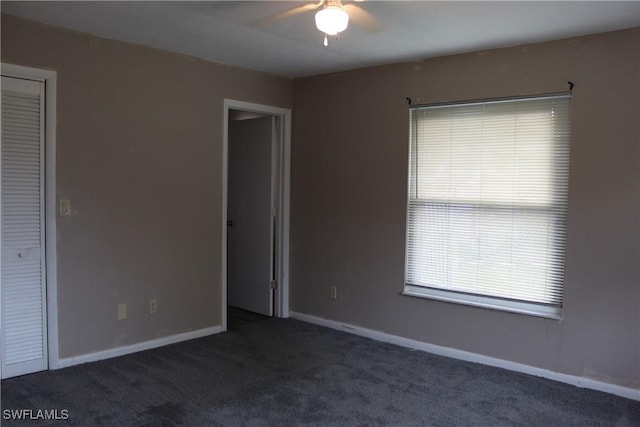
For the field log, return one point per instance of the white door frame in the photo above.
(49, 78)
(281, 308)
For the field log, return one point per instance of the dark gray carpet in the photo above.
(237, 318)
(287, 373)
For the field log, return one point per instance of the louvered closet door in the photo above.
(24, 344)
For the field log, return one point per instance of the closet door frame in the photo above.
(49, 78)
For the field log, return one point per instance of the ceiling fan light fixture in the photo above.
(332, 20)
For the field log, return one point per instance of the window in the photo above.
(487, 203)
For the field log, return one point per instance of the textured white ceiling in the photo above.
(221, 31)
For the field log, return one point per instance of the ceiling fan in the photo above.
(332, 17)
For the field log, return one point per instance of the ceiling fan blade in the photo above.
(261, 23)
(362, 18)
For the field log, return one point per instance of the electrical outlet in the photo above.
(333, 292)
(122, 311)
(153, 306)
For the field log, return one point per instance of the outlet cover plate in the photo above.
(122, 311)
(153, 306)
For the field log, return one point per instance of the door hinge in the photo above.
(273, 284)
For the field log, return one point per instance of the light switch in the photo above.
(64, 207)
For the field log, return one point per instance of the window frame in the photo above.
(551, 311)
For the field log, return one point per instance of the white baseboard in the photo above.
(133, 348)
(629, 393)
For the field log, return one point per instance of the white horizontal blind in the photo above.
(487, 199)
(23, 292)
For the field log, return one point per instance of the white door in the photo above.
(250, 213)
(23, 297)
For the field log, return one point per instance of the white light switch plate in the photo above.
(64, 207)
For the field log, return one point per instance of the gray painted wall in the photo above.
(139, 146)
(349, 175)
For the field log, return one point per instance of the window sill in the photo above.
(528, 309)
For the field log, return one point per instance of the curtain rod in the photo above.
(479, 101)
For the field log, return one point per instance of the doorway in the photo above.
(255, 264)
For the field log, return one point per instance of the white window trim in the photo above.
(520, 307)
